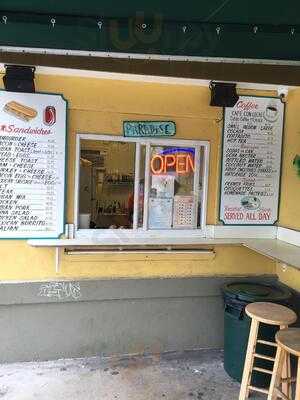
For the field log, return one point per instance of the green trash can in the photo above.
(237, 326)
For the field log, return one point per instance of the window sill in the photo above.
(130, 236)
(275, 249)
(75, 243)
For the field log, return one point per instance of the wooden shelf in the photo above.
(112, 214)
(276, 249)
(129, 183)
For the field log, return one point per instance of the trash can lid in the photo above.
(253, 291)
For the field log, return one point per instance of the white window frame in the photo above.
(144, 235)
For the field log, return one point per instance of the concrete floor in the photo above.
(192, 375)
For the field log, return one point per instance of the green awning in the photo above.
(216, 28)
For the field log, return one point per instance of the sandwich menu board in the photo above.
(251, 163)
(32, 165)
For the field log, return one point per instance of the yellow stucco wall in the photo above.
(289, 216)
(289, 276)
(21, 262)
(100, 106)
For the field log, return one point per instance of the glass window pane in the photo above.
(106, 194)
(172, 200)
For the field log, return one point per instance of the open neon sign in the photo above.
(181, 162)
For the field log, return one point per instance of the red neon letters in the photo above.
(180, 163)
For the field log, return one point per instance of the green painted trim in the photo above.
(251, 12)
(158, 34)
(296, 164)
(66, 166)
(281, 162)
(221, 167)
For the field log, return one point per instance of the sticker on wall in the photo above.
(149, 128)
(296, 164)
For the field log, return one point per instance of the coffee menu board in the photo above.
(251, 163)
(32, 165)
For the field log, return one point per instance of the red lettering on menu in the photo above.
(247, 105)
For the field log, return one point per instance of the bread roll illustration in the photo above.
(20, 111)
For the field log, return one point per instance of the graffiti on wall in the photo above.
(60, 290)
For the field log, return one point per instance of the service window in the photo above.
(140, 185)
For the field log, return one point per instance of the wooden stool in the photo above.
(271, 314)
(288, 341)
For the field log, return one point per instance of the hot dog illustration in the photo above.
(20, 111)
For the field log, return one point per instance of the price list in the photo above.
(251, 162)
(32, 174)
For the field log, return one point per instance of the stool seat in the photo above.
(289, 339)
(282, 317)
(271, 313)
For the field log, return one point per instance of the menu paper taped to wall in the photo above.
(160, 213)
(184, 212)
(32, 165)
(251, 162)
(163, 185)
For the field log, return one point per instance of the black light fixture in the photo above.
(223, 94)
(19, 78)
